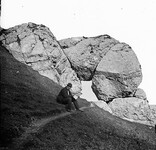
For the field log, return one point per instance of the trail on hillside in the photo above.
(97, 125)
(38, 124)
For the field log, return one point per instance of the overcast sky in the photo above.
(129, 21)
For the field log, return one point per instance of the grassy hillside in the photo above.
(93, 129)
(24, 95)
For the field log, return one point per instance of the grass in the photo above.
(26, 95)
(94, 129)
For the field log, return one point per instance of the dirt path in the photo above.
(38, 124)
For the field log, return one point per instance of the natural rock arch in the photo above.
(87, 92)
(112, 66)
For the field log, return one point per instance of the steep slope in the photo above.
(25, 94)
(93, 129)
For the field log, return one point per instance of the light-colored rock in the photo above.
(118, 71)
(153, 109)
(69, 76)
(69, 42)
(102, 105)
(51, 74)
(85, 53)
(140, 93)
(133, 109)
(36, 46)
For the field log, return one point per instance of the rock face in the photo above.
(133, 108)
(112, 66)
(69, 75)
(140, 93)
(115, 72)
(103, 105)
(85, 53)
(118, 71)
(153, 109)
(37, 47)
(69, 42)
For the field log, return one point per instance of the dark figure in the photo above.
(65, 97)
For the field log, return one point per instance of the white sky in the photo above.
(129, 21)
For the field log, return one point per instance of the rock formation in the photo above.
(133, 108)
(112, 66)
(85, 53)
(153, 109)
(69, 75)
(115, 72)
(140, 93)
(118, 71)
(37, 47)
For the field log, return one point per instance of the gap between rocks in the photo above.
(87, 92)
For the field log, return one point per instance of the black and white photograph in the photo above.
(78, 74)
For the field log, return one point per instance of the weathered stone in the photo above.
(37, 47)
(69, 42)
(153, 109)
(103, 105)
(133, 108)
(85, 53)
(69, 76)
(140, 93)
(118, 71)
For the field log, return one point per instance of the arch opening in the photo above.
(87, 92)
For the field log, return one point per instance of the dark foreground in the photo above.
(26, 95)
(93, 129)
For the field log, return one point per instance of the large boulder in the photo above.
(85, 53)
(36, 46)
(134, 109)
(118, 72)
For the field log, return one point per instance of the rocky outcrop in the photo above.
(118, 72)
(134, 109)
(103, 105)
(85, 53)
(153, 109)
(37, 47)
(70, 42)
(140, 93)
(112, 66)
(69, 75)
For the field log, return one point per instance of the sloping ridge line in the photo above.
(37, 125)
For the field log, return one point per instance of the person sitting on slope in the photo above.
(65, 97)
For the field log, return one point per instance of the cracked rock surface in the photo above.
(36, 46)
(140, 93)
(133, 108)
(117, 72)
(85, 53)
(112, 66)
